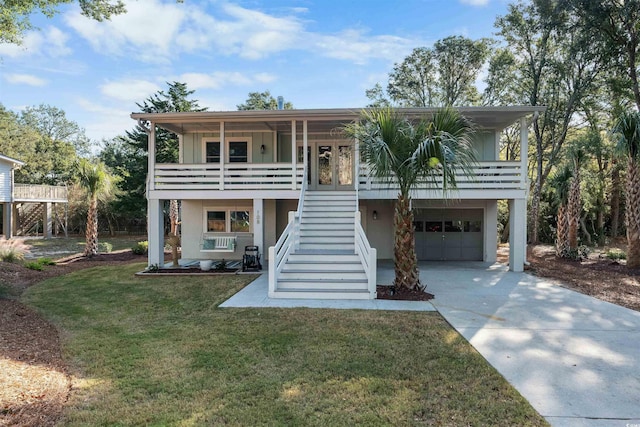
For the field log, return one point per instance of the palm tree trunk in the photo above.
(633, 213)
(615, 200)
(562, 232)
(573, 211)
(91, 233)
(404, 248)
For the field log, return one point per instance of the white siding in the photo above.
(5, 182)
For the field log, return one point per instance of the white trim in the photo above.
(227, 226)
(225, 152)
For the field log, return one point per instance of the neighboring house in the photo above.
(288, 180)
(26, 207)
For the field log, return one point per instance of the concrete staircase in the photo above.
(325, 265)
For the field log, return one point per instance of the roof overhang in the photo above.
(15, 163)
(318, 120)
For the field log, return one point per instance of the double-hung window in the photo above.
(227, 220)
(237, 150)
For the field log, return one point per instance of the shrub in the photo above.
(13, 250)
(34, 265)
(140, 248)
(616, 254)
(105, 247)
(46, 261)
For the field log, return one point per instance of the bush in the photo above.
(141, 248)
(616, 254)
(46, 261)
(34, 265)
(105, 247)
(12, 250)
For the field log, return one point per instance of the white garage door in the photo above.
(449, 234)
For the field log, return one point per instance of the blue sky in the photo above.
(315, 53)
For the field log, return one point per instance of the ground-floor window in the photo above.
(227, 220)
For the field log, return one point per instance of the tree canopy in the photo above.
(262, 101)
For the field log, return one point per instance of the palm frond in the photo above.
(627, 127)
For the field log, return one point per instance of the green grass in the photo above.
(158, 351)
(60, 247)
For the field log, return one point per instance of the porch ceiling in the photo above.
(318, 120)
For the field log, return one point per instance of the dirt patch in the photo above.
(596, 276)
(34, 384)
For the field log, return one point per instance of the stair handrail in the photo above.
(288, 242)
(368, 255)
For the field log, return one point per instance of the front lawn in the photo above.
(158, 351)
(59, 247)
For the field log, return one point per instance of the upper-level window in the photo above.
(238, 152)
(212, 151)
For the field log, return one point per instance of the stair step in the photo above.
(333, 265)
(327, 246)
(322, 276)
(317, 226)
(338, 240)
(322, 294)
(304, 234)
(302, 255)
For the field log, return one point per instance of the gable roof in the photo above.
(15, 163)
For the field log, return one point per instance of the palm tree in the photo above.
(405, 152)
(574, 206)
(561, 182)
(628, 127)
(96, 179)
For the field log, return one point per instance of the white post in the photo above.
(180, 149)
(294, 155)
(272, 271)
(517, 237)
(222, 155)
(524, 151)
(305, 144)
(373, 272)
(258, 223)
(47, 223)
(490, 231)
(151, 160)
(155, 221)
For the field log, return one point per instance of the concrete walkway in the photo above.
(576, 359)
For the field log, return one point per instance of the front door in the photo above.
(330, 165)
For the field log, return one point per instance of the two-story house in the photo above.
(289, 180)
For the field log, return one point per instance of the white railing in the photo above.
(39, 192)
(367, 255)
(485, 175)
(288, 242)
(230, 176)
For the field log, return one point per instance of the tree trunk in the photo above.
(633, 213)
(573, 210)
(583, 226)
(173, 216)
(534, 221)
(562, 233)
(615, 201)
(404, 250)
(91, 233)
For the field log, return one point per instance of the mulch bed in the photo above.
(404, 294)
(187, 271)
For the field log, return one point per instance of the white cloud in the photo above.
(130, 90)
(50, 42)
(146, 31)
(475, 2)
(220, 79)
(104, 122)
(26, 79)
(153, 31)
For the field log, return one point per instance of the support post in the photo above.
(155, 233)
(491, 231)
(524, 152)
(294, 155)
(222, 155)
(46, 220)
(258, 223)
(305, 144)
(517, 237)
(7, 220)
(151, 159)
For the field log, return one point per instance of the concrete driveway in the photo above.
(575, 358)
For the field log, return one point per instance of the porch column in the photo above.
(490, 231)
(517, 237)
(305, 144)
(47, 223)
(7, 220)
(222, 155)
(258, 224)
(151, 159)
(294, 155)
(524, 151)
(155, 232)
